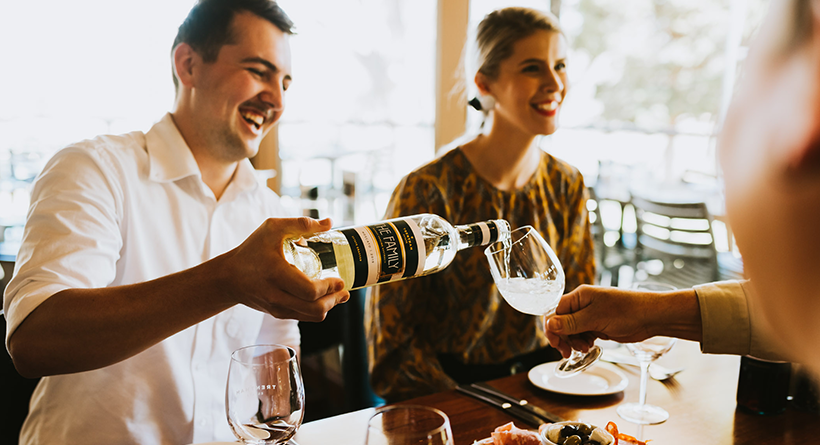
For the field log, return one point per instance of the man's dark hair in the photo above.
(208, 25)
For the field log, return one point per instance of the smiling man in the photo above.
(149, 257)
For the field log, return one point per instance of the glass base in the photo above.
(577, 362)
(642, 414)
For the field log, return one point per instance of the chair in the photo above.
(16, 392)
(676, 245)
(610, 254)
(334, 361)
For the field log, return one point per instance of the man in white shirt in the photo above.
(148, 258)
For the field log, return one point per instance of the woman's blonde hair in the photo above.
(501, 29)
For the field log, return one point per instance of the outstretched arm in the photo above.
(82, 329)
(591, 312)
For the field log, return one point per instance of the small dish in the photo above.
(599, 379)
(551, 432)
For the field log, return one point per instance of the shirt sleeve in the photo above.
(403, 363)
(72, 237)
(732, 322)
(578, 255)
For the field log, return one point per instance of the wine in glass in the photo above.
(647, 352)
(530, 278)
(265, 396)
(409, 424)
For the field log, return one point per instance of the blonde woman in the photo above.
(770, 156)
(429, 334)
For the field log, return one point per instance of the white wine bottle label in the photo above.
(483, 233)
(386, 251)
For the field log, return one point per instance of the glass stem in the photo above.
(644, 377)
(576, 356)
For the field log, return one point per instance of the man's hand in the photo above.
(63, 334)
(260, 277)
(625, 316)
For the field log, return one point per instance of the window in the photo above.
(650, 81)
(73, 70)
(361, 106)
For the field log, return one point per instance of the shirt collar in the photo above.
(169, 155)
(171, 159)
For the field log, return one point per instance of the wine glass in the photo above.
(647, 352)
(265, 396)
(409, 424)
(529, 276)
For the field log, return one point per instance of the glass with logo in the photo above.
(265, 396)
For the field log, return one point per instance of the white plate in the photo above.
(599, 379)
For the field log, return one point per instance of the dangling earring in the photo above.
(483, 103)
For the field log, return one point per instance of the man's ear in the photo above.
(807, 158)
(185, 60)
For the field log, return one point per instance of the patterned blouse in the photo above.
(458, 310)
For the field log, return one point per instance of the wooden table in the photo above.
(700, 400)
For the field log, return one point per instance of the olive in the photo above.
(573, 440)
(562, 439)
(592, 442)
(584, 429)
(568, 430)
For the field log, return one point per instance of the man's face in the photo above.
(237, 99)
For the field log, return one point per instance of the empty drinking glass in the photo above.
(264, 396)
(647, 352)
(409, 424)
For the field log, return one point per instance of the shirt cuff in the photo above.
(724, 313)
(24, 300)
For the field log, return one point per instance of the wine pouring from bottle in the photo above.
(406, 247)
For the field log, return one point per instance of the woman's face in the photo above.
(531, 84)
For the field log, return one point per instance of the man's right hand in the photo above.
(80, 329)
(259, 276)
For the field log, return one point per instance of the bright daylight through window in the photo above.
(649, 82)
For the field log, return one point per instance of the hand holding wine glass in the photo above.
(529, 276)
(265, 396)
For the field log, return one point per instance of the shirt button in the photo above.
(203, 422)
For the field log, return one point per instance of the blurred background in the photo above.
(380, 87)
(650, 81)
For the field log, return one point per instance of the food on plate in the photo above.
(509, 434)
(576, 433)
(613, 430)
(561, 433)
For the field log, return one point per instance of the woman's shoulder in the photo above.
(451, 166)
(556, 168)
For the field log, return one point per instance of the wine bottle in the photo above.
(411, 246)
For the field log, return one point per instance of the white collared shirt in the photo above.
(125, 209)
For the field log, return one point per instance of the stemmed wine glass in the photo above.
(265, 396)
(409, 424)
(647, 352)
(529, 276)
